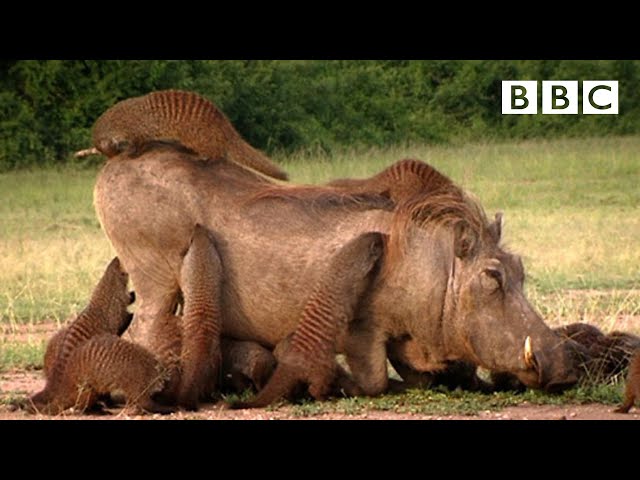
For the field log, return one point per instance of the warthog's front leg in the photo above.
(309, 356)
(366, 354)
(200, 278)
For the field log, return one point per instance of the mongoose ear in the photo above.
(132, 297)
(495, 228)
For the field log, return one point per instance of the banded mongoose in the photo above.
(200, 356)
(174, 115)
(399, 182)
(309, 355)
(105, 313)
(102, 365)
(632, 389)
(88, 359)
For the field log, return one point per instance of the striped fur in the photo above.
(632, 388)
(105, 313)
(399, 182)
(201, 320)
(101, 365)
(309, 356)
(175, 115)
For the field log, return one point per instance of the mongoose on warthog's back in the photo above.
(399, 181)
(632, 389)
(179, 116)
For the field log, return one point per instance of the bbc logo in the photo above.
(560, 97)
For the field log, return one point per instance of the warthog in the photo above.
(445, 282)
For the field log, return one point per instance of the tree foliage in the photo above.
(47, 107)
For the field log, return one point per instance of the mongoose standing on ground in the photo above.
(183, 117)
(632, 389)
(87, 358)
(105, 313)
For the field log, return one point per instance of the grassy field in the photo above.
(572, 210)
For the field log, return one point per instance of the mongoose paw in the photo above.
(622, 409)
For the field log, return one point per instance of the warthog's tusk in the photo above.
(86, 152)
(529, 359)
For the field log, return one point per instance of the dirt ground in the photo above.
(31, 382)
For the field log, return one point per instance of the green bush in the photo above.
(47, 108)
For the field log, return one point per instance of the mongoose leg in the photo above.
(309, 357)
(201, 323)
(629, 399)
(165, 342)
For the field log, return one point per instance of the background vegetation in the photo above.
(47, 108)
(571, 210)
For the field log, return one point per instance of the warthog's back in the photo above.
(272, 249)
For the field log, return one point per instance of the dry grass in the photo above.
(571, 210)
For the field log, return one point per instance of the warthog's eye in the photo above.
(491, 279)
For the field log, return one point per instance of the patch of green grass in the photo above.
(21, 355)
(440, 401)
(571, 210)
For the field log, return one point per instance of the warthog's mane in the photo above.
(447, 206)
(438, 202)
(318, 196)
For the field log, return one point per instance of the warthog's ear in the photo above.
(464, 240)
(495, 228)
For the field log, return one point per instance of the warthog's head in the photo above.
(492, 322)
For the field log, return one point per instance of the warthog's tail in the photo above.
(184, 117)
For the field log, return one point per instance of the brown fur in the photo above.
(102, 365)
(441, 291)
(401, 181)
(246, 364)
(309, 356)
(90, 351)
(412, 364)
(632, 389)
(597, 356)
(179, 116)
(607, 355)
(200, 356)
(105, 313)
